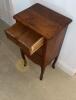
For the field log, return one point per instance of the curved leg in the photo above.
(23, 57)
(53, 64)
(42, 72)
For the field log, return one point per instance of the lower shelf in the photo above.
(36, 58)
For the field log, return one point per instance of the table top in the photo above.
(43, 20)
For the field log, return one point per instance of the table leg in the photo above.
(53, 64)
(42, 72)
(23, 57)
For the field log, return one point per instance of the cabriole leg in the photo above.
(53, 64)
(23, 57)
(42, 72)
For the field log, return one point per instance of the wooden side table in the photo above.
(39, 32)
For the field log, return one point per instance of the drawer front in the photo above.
(26, 37)
(37, 45)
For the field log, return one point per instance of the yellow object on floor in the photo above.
(20, 66)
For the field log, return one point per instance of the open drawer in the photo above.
(25, 37)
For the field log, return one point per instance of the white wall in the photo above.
(10, 7)
(19, 5)
(5, 11)
(67, 58)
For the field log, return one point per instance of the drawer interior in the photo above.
(25, 36)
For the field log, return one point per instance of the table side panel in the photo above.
(53, 46)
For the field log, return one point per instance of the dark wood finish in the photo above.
(42, 72)
(35, 16)
(39, 32)
(23, 56)
(25, 36)
(54, 62)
